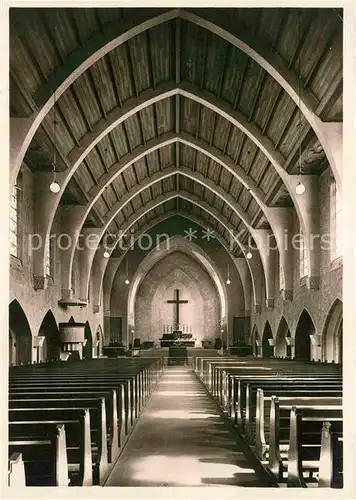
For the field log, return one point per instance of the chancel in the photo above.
(170, 321)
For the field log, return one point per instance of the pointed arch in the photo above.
(332, 334)
(88, 348)
(305, 328)
(20, 335)
(282, 349)
(267, 349)
(254, 336)
(49, 329)
(100, 341)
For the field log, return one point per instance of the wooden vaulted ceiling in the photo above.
(43, 41)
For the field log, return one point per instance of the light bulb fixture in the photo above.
(249, 253)
(54, 187)
(105, 242)
(228, 281)
(300, 187)
(127, 281)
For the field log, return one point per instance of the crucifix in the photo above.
(177, 302)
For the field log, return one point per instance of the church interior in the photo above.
(176, 257)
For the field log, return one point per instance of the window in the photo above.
(335, 222)
(303, 257)
(15, 220)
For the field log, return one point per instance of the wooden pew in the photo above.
(78, 442)
(78, 382)
(115, 432)
(286, 454)
(40, 459)
(238, 398)
(123, 388)
(315, 399)
(16, 470)
(303, 450)
(258, 400)
(52, 411)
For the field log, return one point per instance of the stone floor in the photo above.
(181, 439)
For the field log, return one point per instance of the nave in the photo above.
(228, 421)
(177, 186)
(181, 439)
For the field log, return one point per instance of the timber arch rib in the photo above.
(152, 102)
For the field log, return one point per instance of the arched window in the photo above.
(335, 222)
(303, 257)
(15, 219)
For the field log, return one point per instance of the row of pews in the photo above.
(288, 412)
(69, 421)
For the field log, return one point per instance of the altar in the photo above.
(177, 338)
(177, 334)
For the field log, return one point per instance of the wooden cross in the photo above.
(177, 301)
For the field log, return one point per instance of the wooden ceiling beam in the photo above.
(178, 55)
(212, 135)
(126, 135)
(241, 81)
(198, 122)
(49, 33)
(281, 27)
(228, 53)
(272, 110)
(238, 152)
(333, 93)
(228, 135)
(142, 132)
(80, 60)
(334, 37)
(33, 60)
(96, 93)
(303, 37)
(259, 87)
(74, 27)
(26, 97)
(286, 127)
(110, 65)
(95, 181)
(150, 63)
(206, 38)
(131, 68)
(81, 109)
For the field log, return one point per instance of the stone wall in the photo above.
(213, 249)
(36, 303)
(317, 302)
(202, 312)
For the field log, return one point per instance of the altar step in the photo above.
(192, 351)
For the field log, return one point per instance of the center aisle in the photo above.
(181, 439)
